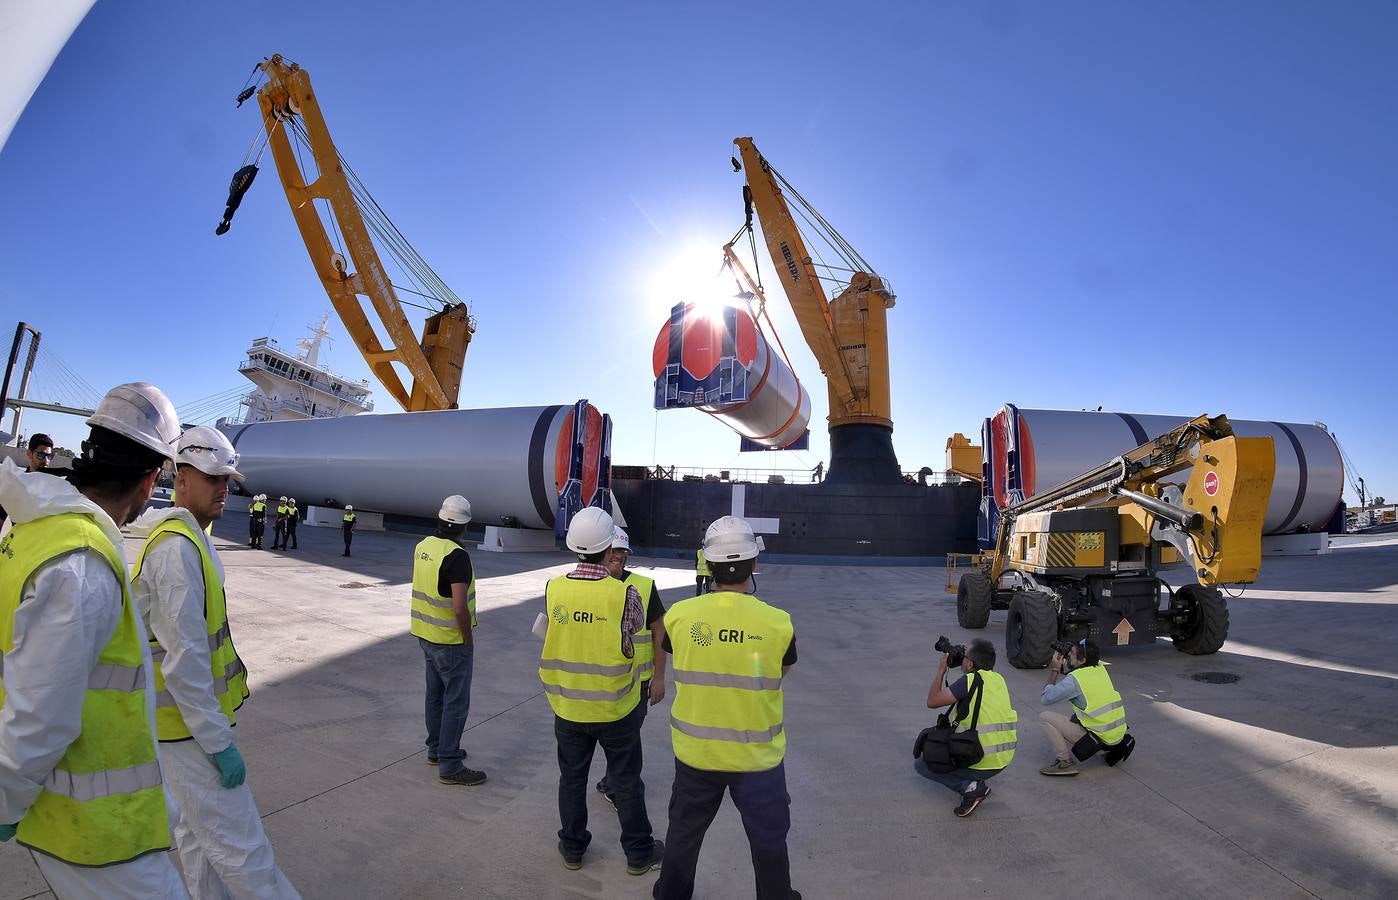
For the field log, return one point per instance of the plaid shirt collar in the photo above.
(590, 572)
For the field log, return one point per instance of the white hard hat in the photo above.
(139, 411)
(349, 509)
(730, 539)
(291, 500)
(456, 510)
(590, 531)
(209, 451)
(619, 540)
(282, 498)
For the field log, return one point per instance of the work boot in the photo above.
(970, 801)
(651, 862)
(571, 861)
(465, 776)
(1060, 767)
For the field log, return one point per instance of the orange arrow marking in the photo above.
(1122, 631)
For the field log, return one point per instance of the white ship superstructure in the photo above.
(295, 386)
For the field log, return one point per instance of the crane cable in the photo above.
(409, 260)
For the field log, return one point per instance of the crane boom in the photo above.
(849, 335)
(435, 363)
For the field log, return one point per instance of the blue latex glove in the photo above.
(7, 832)
(230, 766)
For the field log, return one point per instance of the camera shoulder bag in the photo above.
(943, 748)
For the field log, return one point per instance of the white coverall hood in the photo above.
(151, 518)
(27, 496)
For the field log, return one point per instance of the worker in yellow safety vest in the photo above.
(347, 528)
(650, 660)
(703, 578)
(279, 526)
(731, 652)
(444, 622)
(200, 681)
(80, 781)
(257, 521)
(1099, 717)
(979, 699)
(589, 672)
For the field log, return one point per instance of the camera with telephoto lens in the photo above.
(955, 652)
(1063, 648)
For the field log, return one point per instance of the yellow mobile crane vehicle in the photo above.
(1082, 559)
(848, 335)
(351, 268)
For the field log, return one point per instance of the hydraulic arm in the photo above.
(1082, 558)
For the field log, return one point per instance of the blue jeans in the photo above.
(448, 701)
(957, 779)
(621, 743)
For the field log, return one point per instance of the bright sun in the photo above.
(692, 275)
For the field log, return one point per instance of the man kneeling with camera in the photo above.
(975, 738)
(1099, 721)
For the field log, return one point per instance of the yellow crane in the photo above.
(847, 335)
(292, 118)
(1082, 559)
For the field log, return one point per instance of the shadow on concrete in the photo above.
(1270, 786)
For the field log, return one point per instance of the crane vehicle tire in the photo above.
(1207, 628)
(973, 597)
(1030, 629)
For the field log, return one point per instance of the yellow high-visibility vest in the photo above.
(257, 507)
(104, 802)
(727, 665)
(230, 676)
(432, 616)
(1104, 714)
(349, 517)
(584, 672)
(996, 725)
(642, 640)
(701, 565)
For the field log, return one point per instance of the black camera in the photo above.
(955, 652)
(1063, 648)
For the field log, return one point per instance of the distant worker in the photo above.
(38, 455)
(1099, 720)
(257, 521)
(80, 781)
(731, 651)
(589, 671)
(444, 622)
(200, 681)
(979, 696)
(818, 473)
(279, 526)
(292, 514)
(703, 578)
(347, 528)
(650, 663)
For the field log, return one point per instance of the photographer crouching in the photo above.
(1099, 721)
(975, 738)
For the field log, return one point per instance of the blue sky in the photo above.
(1169, 208)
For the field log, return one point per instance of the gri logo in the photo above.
(730, 635)
(560, 615)
(701, 634)
(5, 547)
(580, 616)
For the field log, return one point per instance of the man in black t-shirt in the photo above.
(649, 655)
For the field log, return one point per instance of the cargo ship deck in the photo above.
(1282, 783)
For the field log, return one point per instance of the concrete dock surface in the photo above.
(1281, 784)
